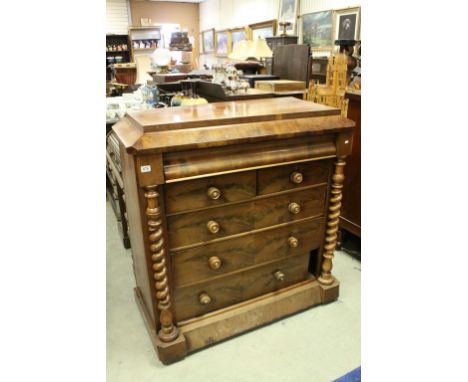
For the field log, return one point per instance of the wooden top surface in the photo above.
(220, 113)
(226, 123)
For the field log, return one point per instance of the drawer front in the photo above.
(284, 178)
(208, 261)
(212, 191)
(209, 296)
(202, 226)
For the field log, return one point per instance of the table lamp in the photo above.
(161, 58)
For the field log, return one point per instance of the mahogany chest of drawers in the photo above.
(233, 215)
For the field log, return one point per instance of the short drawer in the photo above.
(204, 262)
(212, 191)
(206, 225)
(288, 177)
(209, 296)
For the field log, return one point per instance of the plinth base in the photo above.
(211, 328)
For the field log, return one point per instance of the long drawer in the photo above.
(206, 297)
(202, 226)
(211, 191)
(205, 262)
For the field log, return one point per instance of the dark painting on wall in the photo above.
(347, 27)
(347, 24)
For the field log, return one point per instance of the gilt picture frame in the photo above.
(222, 43)
(318, 29)
(208, 41)
(262, 30)
(288, 12)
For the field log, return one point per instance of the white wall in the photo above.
(222, 14)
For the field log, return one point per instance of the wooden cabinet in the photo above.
(233, 212)
(350, 218)
(115, 186)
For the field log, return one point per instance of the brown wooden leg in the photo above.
(326, 278)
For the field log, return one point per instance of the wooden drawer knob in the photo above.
(212, 226)
(213, 193)
(293, 242)
(215, 262)
(204, 299)
(294, 208)
(296, 177)
(279, 276)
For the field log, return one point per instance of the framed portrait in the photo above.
(263, 29)
(288, 12)
(208, 41)
(347, 24)
(237, 34)
(222, 43)
(317, 29)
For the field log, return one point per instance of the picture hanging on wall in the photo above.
(288, 12)
(263, 29)
(208, 41)
(317, 29)
(222, 43)
(237, 35)
(347, 24)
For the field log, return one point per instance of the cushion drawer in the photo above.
(202, 193)
(288, 177)
(238, 287)
(214, 223)
(204, 262)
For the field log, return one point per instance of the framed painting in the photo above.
(288, 12)
(263, 29)
(237, 35)
(317, 30)
(347, 24)
(208, 41)
(222, 43)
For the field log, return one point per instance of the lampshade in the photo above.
(241, 50)
(255, 49)
(260, 49)
(161, 57)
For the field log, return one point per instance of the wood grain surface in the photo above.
(186, 196)
(191, 228)
(239, 287)
(276, 179)
(226, 112)
(192, 265)
(193, 163)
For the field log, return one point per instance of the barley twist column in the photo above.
(168, 331)
(331, 234)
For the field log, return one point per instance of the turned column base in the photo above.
(329, 293)
(168, 352)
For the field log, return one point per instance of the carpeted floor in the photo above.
(318, 345)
